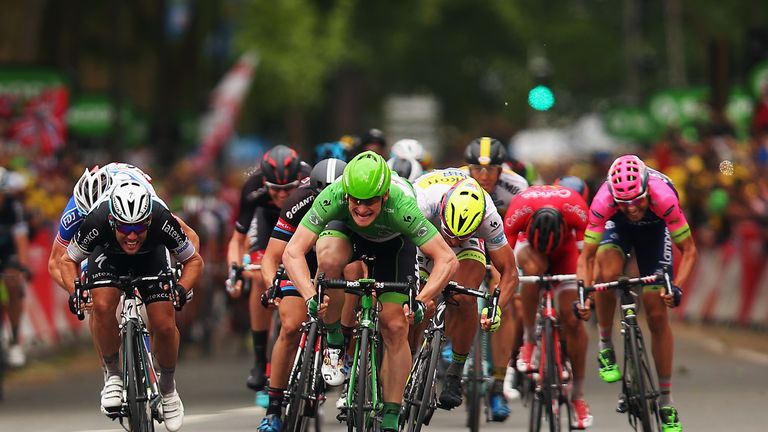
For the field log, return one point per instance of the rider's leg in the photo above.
(165, 338)
(396, 362)
(292, 314)
(260, 319)
(106, 334)
(610, 263)
(532, 263)
(14, 283)
(576, 338)
(503, 339)
(661, 341)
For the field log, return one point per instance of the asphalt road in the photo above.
(716, 388)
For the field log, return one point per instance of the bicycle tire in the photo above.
(139, 410)
(428, 390)
(551, 381)
(474, 399)
(361, 389)
(534, 419)
(414, 387)
(295, 415)
(638, 397)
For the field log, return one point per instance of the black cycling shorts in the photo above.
(104, 266)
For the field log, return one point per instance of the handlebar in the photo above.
(455, 288)
(238, 270)
(623, 283)
(546, 279)
(268, 297)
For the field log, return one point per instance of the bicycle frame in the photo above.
(551, 388)
(639, 397)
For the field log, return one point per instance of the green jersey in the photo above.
(400, 215)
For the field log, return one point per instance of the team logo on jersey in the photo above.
(494, 224)
(408, 218)
(422, 232)
(100, 260)
(69, 218)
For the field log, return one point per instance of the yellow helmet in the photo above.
(462, 209)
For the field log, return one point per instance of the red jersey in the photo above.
(569, 203)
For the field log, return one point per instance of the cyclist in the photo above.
(380, 217)
(486, 161)
(14, 246)
(409, 169)
(638, 208)
(372, 140)
(409, 148)
(131, 232)
(331, 150)
(263, 195)
(468, 221)
(291, 305)
(546, 223)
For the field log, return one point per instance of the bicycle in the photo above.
(364, 404)
(639, 393)
(551, 383)
(141, 396)
(304, 393)
(420, 394)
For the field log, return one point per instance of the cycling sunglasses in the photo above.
(282, 187)
(486, 168)
(139, 228)
(370, 202)
(454, 237)
(636, 202)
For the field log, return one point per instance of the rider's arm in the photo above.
(445, 264)
(235, 248)
(193, 268)
(586, 263)
(687, 262)
(54, 262)
(295, 260)
(271, 260)
(504, 260)
(191, 234)
(69, 271)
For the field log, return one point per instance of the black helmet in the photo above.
(546, 230)
(325, 172)
(575, 184)
(281, 165)
(409, 169)
(485, 151)
(373, 136)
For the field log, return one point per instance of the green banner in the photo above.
(679, 107)
(631, 123)
(28, 82)
(93, 116)
(739, 110)
(758, 79)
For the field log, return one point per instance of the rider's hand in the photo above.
(415, 316)
(181, 295)
(234, 286)
(672, 300)
(487, 324)
(586, 312)
(315, 309)
(72, 302)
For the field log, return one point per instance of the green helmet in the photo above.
(367, 175)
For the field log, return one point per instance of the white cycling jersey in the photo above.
(430, 189)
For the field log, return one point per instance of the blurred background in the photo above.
(193, 91)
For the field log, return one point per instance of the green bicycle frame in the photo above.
(366, 321)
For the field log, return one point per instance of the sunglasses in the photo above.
(370, 202)
(454, 237)
(486, 168)
(282, 187)
(127, 229)
(637, 201)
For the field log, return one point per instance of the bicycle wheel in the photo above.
(414, 386)
(296, 414)
(427, 403)
(139, 410)
(551, 381)
(534, 420)
(361, 411)
(641, 402)
(474, 381)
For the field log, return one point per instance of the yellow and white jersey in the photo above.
(431, 188)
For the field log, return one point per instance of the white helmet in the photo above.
(90, 187)
(130, 202)
(407, 168)
(408, 149)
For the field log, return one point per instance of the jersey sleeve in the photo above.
(411, 222)
(69, 222)
(516, 218)
(601, 210)
(666, 205)
(297, 205)
(326, 207)
(250, 197)
(492, 229)
(19, 227)
(93, 231)
(172, 236)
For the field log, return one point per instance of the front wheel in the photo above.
(295, 416)
(139, 409)
(642, 393)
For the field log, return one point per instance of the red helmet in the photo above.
(546, 230)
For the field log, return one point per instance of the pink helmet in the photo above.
(627, 177)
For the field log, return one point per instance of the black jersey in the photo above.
(294, 209)
(12, 223)
(96, 231)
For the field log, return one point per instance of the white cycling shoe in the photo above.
(173, 412)
(333, 367)
(15, 356)
(112, 394)
(510, 392)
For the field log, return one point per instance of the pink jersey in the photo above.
(664, 205)
(569, 203)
